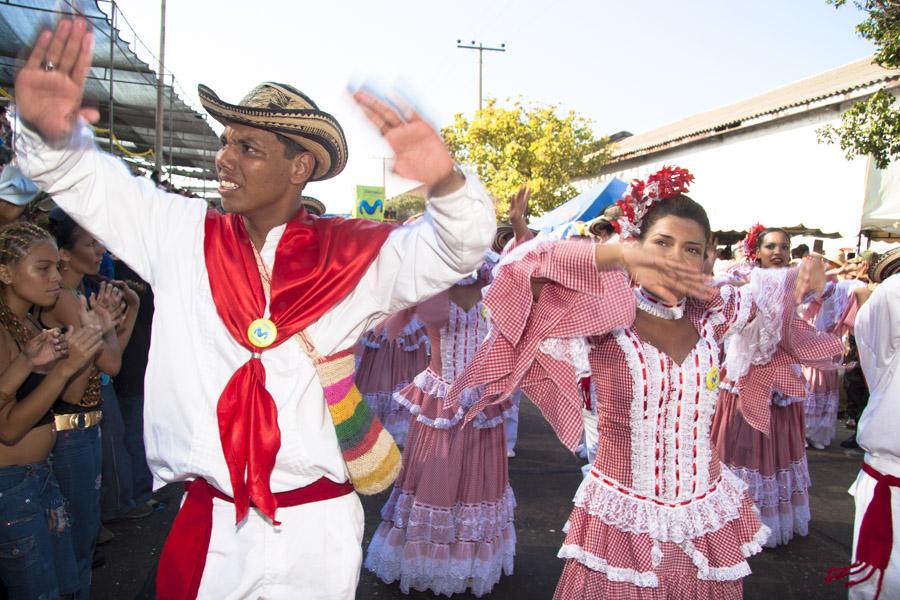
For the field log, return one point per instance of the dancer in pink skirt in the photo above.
(771, 459)
(834, 314)
(448, 524)
(388, 358)
(658, 516)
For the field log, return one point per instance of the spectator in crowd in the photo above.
(77, 455)
(37, 560)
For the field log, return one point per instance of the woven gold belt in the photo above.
(78, 420)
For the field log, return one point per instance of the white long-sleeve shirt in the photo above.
(877, 333)
(192, 355)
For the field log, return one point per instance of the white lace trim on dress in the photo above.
(572, 351)
(756, 343)
(595, 563)
(666, 523)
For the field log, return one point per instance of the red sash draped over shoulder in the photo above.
(317, 263)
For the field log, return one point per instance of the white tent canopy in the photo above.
(881, 208)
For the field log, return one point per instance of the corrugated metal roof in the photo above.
(830, 84)
(188, 137)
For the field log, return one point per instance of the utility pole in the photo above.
(384, 160)
(160, 87)
(481, 49)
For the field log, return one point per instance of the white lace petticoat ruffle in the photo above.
(445, 550)
(665, 523)
(432, 384)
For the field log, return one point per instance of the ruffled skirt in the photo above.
(448, 524)
(620, 546)
(774, 467)
(821, 405)
(383, 369)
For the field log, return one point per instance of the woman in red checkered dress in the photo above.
(448, 524)
(770, 460)
(658, 516)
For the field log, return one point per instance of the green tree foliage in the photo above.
(527, 144)
(405, 205)
(873, 126)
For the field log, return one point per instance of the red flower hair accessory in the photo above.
(640, 196)
(748, 244)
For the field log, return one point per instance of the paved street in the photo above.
(544, 476)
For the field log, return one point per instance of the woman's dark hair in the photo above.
(677, 206)
(63, 227)
(767, 231)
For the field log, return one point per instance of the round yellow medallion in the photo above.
(262, 333)
(712, 378)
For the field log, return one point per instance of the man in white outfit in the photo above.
(277, 446)
(875, 568)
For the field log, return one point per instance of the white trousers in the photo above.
(315, 554)
(862, 490)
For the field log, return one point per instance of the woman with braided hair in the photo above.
(36, 556)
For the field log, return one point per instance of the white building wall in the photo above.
(776, 174)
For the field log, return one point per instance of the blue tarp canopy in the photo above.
(583, 207)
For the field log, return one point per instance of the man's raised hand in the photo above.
(420, 153)
(50, 86)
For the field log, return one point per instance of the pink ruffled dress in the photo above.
(387, 363)
(835, 314)
(658, 516)
(770, 457)
(448, 524)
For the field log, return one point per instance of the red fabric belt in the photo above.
(876, 535)
(184, 553)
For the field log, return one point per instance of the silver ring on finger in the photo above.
(48, 65)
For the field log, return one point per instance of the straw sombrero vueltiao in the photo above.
(284, 110)
(313, 206)
(886, 265)
(502, 236)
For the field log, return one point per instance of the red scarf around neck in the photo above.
(317, 263)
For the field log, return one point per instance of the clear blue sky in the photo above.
(632, 65)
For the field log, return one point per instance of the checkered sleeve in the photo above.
(577, 300)
(768, 348)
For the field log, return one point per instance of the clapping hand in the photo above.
(50, 87)
(97, 317)
(109, 300)
(83, 344)
(45, 348)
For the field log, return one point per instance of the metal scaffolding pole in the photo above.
(171, 118)
(112, 71)
(160, 87)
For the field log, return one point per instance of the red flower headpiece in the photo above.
(640, 196)
(748, 244)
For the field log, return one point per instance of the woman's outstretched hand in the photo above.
(667, 279)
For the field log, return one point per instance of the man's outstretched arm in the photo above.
(55, 148)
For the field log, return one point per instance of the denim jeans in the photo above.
(132, 408)
(77, 457)
(116, 493)
(36, 557)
